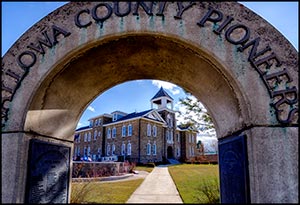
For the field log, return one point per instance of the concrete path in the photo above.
(158, 187)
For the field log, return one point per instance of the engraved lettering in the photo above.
(108, 14)
(23, 63)
(56, 32)
(161, 9)
(183, 8)
(244, 39)
(118, 13)
(78, 23)
(223, 25)
(145, 7)
(47, 42)
(208, 17)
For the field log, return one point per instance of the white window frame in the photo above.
(108, 133)
(113, 149)
(123, 131)
(123, 149)
(148, 149)
(130, 130)
(129, 148)
(154, 148)
(114, 132)
(108, 149)
(154, 131)
(95, 135)
(149, 130)
(89, 136)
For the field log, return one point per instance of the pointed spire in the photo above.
(161, 93)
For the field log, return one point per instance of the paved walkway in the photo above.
(158, 187)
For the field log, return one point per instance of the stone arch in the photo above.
(239, 66)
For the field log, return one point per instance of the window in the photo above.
(85, 137)
(148, 148)
(123, 149)
(89, 136)
(115, 117)
(169, 120)
(108, 133)
(114, 132)
(129, 148)
(89, 151)
(154, 148)
(154, 131)
(91, 123)
(178, 151)
(190, 137)
(113, 149)
(96, 122)
(148, 130)
(85, 151)
(78, 151)
(178, 137)
(108, 150)
(171, 136)
(168, 135)
(130, 130)
(123, 131)
(99, 134)
(95, 134)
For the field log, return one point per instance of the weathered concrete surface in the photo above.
(158, 187)
(273, 164)
(50, 99)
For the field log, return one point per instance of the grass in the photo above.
(197, 183)
(110, 192)
(101, 193)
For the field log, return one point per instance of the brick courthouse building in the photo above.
(148, 136)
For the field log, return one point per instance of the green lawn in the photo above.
(110, 192)
(194, 182)
(197, 183)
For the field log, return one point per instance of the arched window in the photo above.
(154, 148)
(148, 130)
(148, 148)
(108, 150)
(95, 134)
(154, 131)
(170, 120)
(113, 149)
(130, 130)
(129, 148)
(108, 133)
(123, 149)
(89, 136)
(123, 131)
(114, 132)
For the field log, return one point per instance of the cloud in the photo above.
(174, 89)
(90, 108)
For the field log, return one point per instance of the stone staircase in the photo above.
(173, 161)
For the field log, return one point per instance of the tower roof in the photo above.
(161, 93)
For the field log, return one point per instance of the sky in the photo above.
(282, 15)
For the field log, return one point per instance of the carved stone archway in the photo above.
(242, 69)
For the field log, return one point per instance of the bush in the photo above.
(210, 191)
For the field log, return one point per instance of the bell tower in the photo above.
(163, 103)
(162, 100)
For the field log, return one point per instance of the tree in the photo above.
(193, 113)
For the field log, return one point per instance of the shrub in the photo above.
(210, 191)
